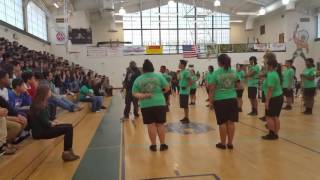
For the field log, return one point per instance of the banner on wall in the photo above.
(60, 36)
(277, 47)
(261, 47)
(114, 51)
(154, 49)
(133, 50)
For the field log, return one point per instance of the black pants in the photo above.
(128, 100)
(56, 131)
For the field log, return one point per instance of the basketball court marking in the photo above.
(216, 177)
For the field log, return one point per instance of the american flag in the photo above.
(189, 51)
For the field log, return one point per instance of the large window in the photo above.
(176, 25)
(11, 12)
(37, 21)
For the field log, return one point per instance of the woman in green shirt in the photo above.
(43, 128)
(87, 95)
(149, 89)
(193, 88)
(274, 99)
(309, 85)
(223, 97)
(288, 83)
(240, 75)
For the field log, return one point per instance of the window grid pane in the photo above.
(37, 21)
(176, 25)
(11, 12)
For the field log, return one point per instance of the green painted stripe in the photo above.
(101, 161)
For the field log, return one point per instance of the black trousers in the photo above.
(128, 100)
(59, 130)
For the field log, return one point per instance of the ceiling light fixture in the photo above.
(236, 21)
(171, 3)
(217, 3)
(285, 2)
(56, 5)
(122, 11)
(262, 11)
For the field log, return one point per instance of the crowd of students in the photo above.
(272, 82)
(32, 86)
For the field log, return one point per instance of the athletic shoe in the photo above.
(2, 151)
(103, 107)
(164, 147)
(229, 146)
(185, 121)
(153, 148)
(263, 118)
(270, 137)
(239, 109)
(220, 146)
(253, 114)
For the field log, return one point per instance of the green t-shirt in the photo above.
(194, 82)
(240, 75)
(184, 82)
(309, 72)
(273, 81)
(150, 83)
(288, 77)
(264, 87)
(254, 80)
(207, 76)
(84, 91)
(225, 82)
(167, 77)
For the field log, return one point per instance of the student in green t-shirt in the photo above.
(87, 95)
(223, 98)
(240, 75)
(207, 76)
(288, 83)
(149, 89)
(193, 88)
(253, 84)
(274, 98)
(185, 83)
(309, 85)
(165, 74)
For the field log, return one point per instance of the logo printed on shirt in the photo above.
(149, 85)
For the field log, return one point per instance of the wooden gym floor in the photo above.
(121, 151)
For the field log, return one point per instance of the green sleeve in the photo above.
(84, 90)
(212, 79)
(135, 87)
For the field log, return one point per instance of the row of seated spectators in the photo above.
(32, 85)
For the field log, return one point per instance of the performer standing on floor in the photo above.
(309, 85)
(274, 98)
(240, 75)
(149, 89)
(185, 83)
(253, 83)
(223, 97)
(193, 88)
(165, 74)
(208, 75)
(288, 83)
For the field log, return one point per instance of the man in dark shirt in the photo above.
(132, 73)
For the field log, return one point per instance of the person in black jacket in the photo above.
(132, 73)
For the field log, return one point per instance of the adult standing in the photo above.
(274, 99)
(193, 88)
(288, 83)
(253, 83)
(240, 88)
(167, 77)
(223, 97)
(132, 73)
(185, 83)
(309, 85)
(149, 89)
(208, 76)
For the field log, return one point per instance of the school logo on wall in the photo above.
(191, 128)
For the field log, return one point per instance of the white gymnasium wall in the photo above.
(23, 39)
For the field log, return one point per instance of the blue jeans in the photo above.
(96, 102)
(63, 103)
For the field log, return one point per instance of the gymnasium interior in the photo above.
(73, 40)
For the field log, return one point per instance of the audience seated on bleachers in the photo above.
(87, 95)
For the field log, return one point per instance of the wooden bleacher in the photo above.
(32, 152)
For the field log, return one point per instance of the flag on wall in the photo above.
(154, 50)
(189, 51)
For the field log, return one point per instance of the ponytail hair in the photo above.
(272, 61)
(225, 61)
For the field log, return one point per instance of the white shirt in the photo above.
(4, 93)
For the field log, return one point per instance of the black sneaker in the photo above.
(153, 148)
(270, 137)
(164, 147)
(229, 146)
(185, 121)
(287, 108)
(239, 109)
(220, 146)
(103, 107)
(263, 119)
(307, 113)
(253, 113)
